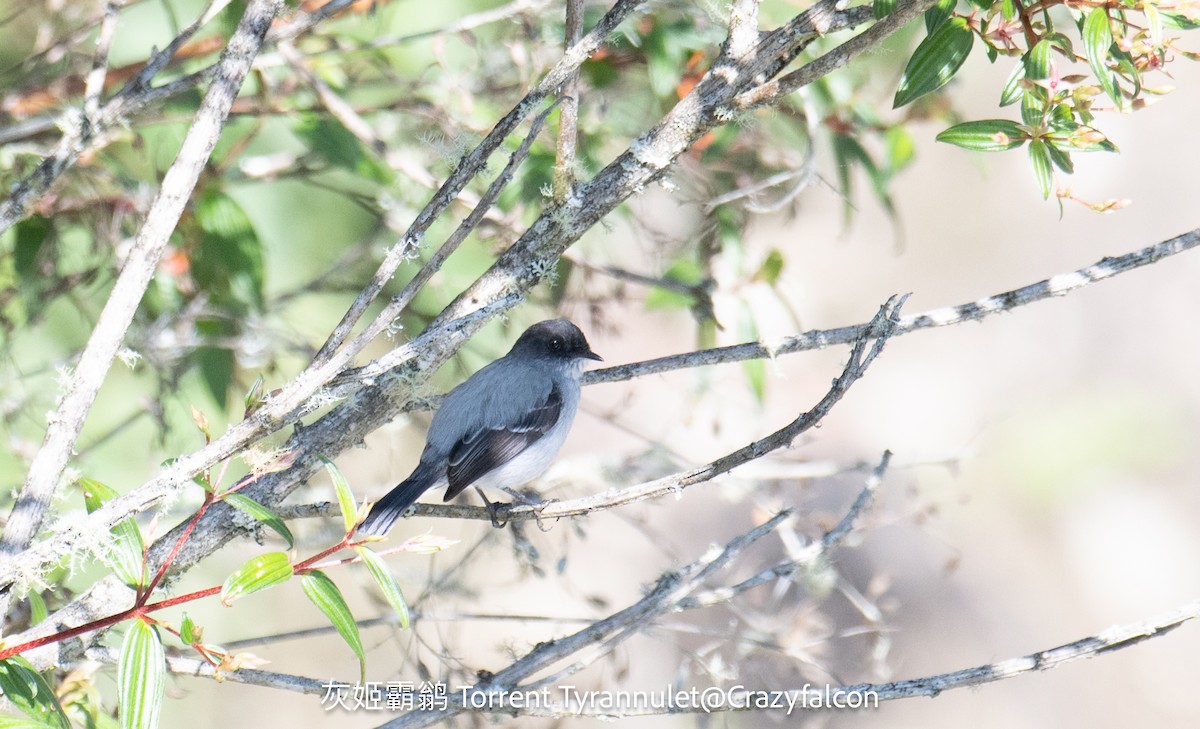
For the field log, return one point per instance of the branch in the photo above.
(669, 590)
(1059, 285)
(880, 328)
(467, 169)
(85, 130)
(88, 131)
(773, 91)
(203, 669)
(568, 114)
(668, 595)
(868, 695)
(43, 478)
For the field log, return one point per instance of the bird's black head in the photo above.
(554, 338)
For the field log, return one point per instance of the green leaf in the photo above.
(1097, 43)
(771, 267)
(1177, 20)
(1013, 88)
(228, 262)
(936, 15)
(1033, 106)
(261, 572)
(883, 8)
(328, 598)
(126, 555)
(254, 396)
(900, 149)
(986, 135)
(187, 630)
(37, 608)
(141, 677)
(1008, 9)
(1039, 156)
(1061, 159)
(345, 496)
(31, 235)
(29, 692)
(387, 584)
(935, 61)
(327, 137)
(1037, 61)
(247, 505)
(20, 722)
(216, 370)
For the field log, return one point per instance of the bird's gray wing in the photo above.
(479, 452)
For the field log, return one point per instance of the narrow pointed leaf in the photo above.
(20, 722)
(1061, 159)
(247, 505)
(1037, 61)
(345, 496)
(1012, 87)
(37, 608)
(387, 584)
(265, 570)
(1033, 107)
(141, 677)
(328, 598)
(29, 692)
(935, 16)
(1042, 171)
(935, 61)
(1097, 42)
(986, 135)
(187, 630)
(126, 553)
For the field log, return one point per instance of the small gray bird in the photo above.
(501, 427)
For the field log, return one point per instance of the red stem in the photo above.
(143, 595)
(133, 612)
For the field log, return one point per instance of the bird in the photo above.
(502, 427)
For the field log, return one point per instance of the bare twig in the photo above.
(95, 77)
(469, 167)
(868, 695)
(665, 595)
(568, 113)
(203, 669)
(881, 328)
(809, 555)
(772, 91)
(86, 130)
(1059, 285)
(47, 467)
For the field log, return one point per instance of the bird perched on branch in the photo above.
(502, 427)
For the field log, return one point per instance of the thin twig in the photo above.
(868, 695)
(468, 168)
(881, 328)
(568, 113)
(669, 590)
(181, 666)
(1059, 285)
(95, 78)
(42, 480)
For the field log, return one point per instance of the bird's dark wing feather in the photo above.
(484, 450)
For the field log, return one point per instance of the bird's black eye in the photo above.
(556, 344)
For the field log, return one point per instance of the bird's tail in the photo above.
(387, 510)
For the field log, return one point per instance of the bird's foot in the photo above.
(493, 509)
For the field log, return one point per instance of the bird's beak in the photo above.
(592, 355)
